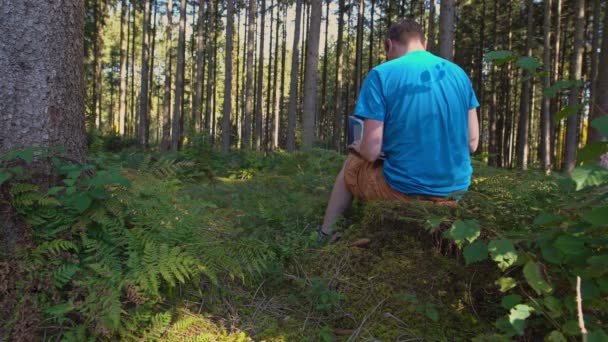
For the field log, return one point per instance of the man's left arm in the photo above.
(371, 145)
(473, 130)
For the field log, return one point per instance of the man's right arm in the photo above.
(473, 130)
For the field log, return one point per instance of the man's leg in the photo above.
(339, 201)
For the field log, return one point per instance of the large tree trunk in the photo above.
(493, 136)
(545, 136)
(274, 144)
(526, 97)
(359, 47)
(293, 87)
(310, 85)
(323, 119)
(431, 29)
(592, 134)
(281, 118)
(176, 134)
(446, 29)
(210, 69)
(166, 122)
(575, 94)
(246, 143)
(41, 88)
(200, 61)
(122, 102)
(228, 78)
(338, 88)
(266, 139)
(554, 106)
(259, 107)
(145, 59)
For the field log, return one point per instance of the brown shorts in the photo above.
(365, 180)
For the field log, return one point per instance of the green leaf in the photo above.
(557, 87)
(499, 57)
(434, 222)
(74, 174)
(601, 124)
(4, 176)
(528, 63)
(603, 284)
(463, 230)
(54, 190)
(555, 336)
(571, 328)
(69, 182)
(17, 170)
(26, 154)
(503, 252)
(569, 245)
(505, 283)
(550, 253)
(597, 336)
(598, 217)
(508, 302)
(477, 251)
(518, 316)
(505, 326)
(567, 111)
(535, 278)
(589, 176)
(547, 218)
(82, 202)
(588, 290)
(592, 151)
(554, 305)
(432, 313)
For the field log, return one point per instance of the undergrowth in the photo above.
(202, 246)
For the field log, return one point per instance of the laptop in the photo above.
(355, 131)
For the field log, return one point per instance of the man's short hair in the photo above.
(406, 31)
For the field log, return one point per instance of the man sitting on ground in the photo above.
(420, 111)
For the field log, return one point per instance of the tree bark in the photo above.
(280, 119)
(431, 30)
(176, 134)
(41, 88)
(145, 59)
(359, 47)
(555, 76)
(123, 70)
(323, 119)
(545, 139)
(249, 76)
(166, 122)
(592, 134)
(526, 97)
(259, 108)
(266, 139)
(210, 68)
(200, 61)
(274, 144)
(338, 89)
(446, 29)
(575, 94)
(293, 87)
(228, 78)
(312, 61)
(371, 35)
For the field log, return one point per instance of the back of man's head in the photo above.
(406, 31)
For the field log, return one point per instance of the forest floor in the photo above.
(408, 284)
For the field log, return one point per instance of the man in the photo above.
(420, 110)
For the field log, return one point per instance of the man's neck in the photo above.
(412, 47)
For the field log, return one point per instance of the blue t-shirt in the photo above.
(423, 101)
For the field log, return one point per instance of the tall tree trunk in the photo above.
(575, 94)
(312, 61)
(176, 134)
(166, 139)
(133, 34)
(338, 88)
(293, 87)
(555, 76)
(359, 47)
(151, 72)
(228, 78)
(259, 108)
(371, 35)
(96, 62)
(480, 77)
(545, 139)
(493, 137)
(592, 134)
(266, 139)
(210, 68)
(323, 120)
(122, 102)
(249, 75)
(274, 144)
(200, 61)
(526, 97)
(446, 29)
(41, 91)
(600, 108)
(281, 119)
(145, 59)
(431, 30)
